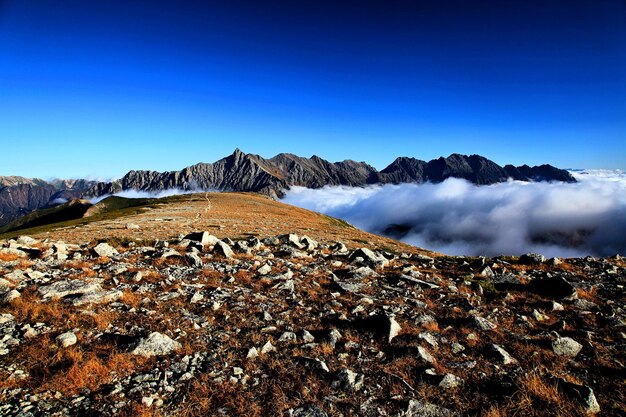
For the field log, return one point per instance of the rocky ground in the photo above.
(289, 326)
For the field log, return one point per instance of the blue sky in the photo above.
(101, 87)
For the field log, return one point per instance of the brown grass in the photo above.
(536, 397)
(131, 298)
(8, 257)
(29, 308)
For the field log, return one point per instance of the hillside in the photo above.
(234, 304)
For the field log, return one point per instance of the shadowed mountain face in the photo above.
(247, 172)
(20, 196)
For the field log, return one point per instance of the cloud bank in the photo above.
(145, 194)
(459, 218)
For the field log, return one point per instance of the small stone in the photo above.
(67, 339)
(222, 249)
(380, 324)
(450, 381)
(347, 380)
(264, 270)
(483, 324)
(424, 355)
(581, 393)
(9, 296)
(196, 297)
(307, 337)
(554, 306)
(566, 346)
(313, 364)
(368, 256)
(132, 226)
(104, 249)
(252, 353)
(6, 317)
(532, 259)
(497, 352)
(287, 337)
(204, 238)
(539, 317)
(554, 287)
(193, 259)
(267, 348)
(156, 344)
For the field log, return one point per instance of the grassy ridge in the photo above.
(72, 214)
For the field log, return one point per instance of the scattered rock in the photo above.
(67, 339)
(104, 249)
(566, 346)
(347, 380)
(501, 355)
(222, 249)
(450, 381)
(9, 296)
(532, 259)
(555, 287)
(382, 325)
(369, 257)
(156, 344)
(581, 393)
(483, 324)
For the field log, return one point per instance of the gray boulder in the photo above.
(67, 339)
(369, 257)
(581, 393)
(64, 288)
(501, 355)
(156, 344)
(566, 346)
(204, 238)
(555, 287)
(221, 248)
(104, 249)
(532, 259)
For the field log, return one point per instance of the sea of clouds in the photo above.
(145, 194)
(458, 218)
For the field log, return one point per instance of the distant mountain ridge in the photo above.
(248, 172)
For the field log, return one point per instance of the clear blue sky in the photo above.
(101, 87)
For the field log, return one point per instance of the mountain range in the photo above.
(248, 172)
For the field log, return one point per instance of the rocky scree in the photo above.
(286, 325)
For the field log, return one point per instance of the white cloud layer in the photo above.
(459, 218)
(145, 194)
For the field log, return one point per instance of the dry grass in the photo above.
(8, 257)
(131, 298)
(29, 308)
(536, 397)
(589, 294)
